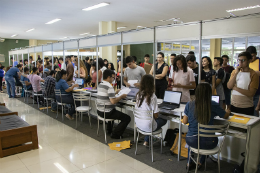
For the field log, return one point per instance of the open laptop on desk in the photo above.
(80, 82)
(172, 100)
(215, 99)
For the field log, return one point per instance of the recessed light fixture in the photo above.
(30, 30)
(103, 4)
(84, 33)
(14, 35)
(244, 8)
(53, 21)
(122, 27)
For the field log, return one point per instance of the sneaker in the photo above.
(68, 116)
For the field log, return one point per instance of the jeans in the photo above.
(246, 111)
(256, 99)
(10, 86)
(205, 143)
(1, 81)
(160, 122)
(227, 96)
(68, 99)
(53, 104)
(161, 86)
(117, 115)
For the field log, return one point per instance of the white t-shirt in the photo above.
(102, 70)
(63, 66)
(145, 125)
(183, 79)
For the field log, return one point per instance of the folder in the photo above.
(239, 119)
(118, 146)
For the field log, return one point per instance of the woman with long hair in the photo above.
(146, 100)
(83, 70)
(94, 75)
(202, 110)
(66, 92)
(182, 78)
(210, 72)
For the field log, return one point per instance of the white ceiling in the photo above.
(17, 16)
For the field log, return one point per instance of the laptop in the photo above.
(80, 82)
(172, 100)
(215, 99)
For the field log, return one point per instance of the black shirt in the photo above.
(209, 75)
(195, 73)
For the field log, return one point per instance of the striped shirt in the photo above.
(105, 91)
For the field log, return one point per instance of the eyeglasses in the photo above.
(241, 60)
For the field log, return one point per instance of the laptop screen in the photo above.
(172, 97)
(133, 92)
(215, 99)
(80, 82)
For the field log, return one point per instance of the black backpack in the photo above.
(170, 136)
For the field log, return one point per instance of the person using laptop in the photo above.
(182, 78)
(133, 72)
(202, 110)
(106, 94)
(146, 100)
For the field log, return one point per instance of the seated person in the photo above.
(67, 97)
(202, 110)
(26, 80)
(147, 101)
(49, 86)
(35, 81)
(106, 94)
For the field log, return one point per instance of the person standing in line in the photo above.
(133, 72)
(161, 69)
(70, 69)
(106, 94)
(14, 63)
(255, 65)
(10, 77)
(94, 75)
(88, 64)
(244, 82)
(146, 60)
(63, 65)
(2, 74)
(228, 69)
(191, 62)
(210, 73)
(182, 78)
(220, 76)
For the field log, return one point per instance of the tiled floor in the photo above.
(63, 149)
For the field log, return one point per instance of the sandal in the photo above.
(68, 116)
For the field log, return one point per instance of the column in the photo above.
(215, 48)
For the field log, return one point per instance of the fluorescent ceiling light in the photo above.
(30, 30)
(64, 38)
(84, 33)
(96, 6)
(53, 21)
(140, 27)
(244, 8)
(122, 27)
(14, 35)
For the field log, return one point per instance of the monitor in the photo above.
(172, 97)
(80, 82)
(215, 99)
(133, 92)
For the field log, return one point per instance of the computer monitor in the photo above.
(80, 82)
(133, 92)
(215, 99)
(173, 97)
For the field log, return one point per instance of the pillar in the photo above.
(33, 43)
(215, 48)
(110, 52)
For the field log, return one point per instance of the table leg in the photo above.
(179, 142)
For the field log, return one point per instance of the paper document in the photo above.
(123, 91)
(132, 82)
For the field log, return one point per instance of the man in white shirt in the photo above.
(63, 65)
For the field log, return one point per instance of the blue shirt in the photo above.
(189, 111)
(26, 79)
(2, 73)
(62, 85)
(12, 72)
(73, 64)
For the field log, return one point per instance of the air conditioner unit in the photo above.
(2, 39)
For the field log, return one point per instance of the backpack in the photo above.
(170, 136)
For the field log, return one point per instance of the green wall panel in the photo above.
(139, 50)
(9, 44)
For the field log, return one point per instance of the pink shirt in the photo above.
(35, 80)
(184, 78)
